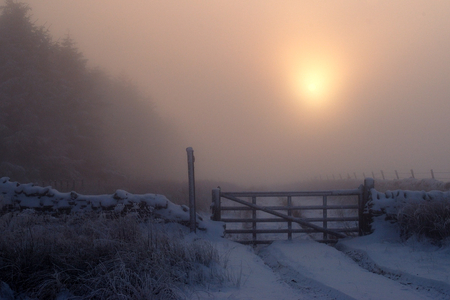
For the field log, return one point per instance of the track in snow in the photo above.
(321, 271)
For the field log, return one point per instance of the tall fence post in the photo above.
(325, 216)
(254, 221)
(412, 173)
(432, 174)
(215, 205)
(289, 204)
(192, 213)
(365, 218)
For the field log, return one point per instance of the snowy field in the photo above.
(381, 265)
(377, 266)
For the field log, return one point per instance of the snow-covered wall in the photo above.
(15, 197)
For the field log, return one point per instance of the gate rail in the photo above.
(307, 225)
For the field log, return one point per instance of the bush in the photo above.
(92, 257)
(430, 219)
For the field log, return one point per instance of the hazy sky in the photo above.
(277, 91)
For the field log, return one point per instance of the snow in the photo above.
(15, 196)
(377, 266)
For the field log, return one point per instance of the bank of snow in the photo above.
(17, 197)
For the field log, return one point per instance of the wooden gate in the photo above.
(249, 221)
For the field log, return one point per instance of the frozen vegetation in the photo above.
(70, 246)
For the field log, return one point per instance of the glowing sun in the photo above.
(312, 87)
(314, 83)
(315, 76)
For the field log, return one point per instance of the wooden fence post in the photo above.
(325, 216)
(412, 173)
(254, 221)
(396, 174)
(365, 217)
(192, 214)
(289, 213)
(432, 174)
(216, 214)
(382, 175)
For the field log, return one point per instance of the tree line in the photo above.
(60, 119)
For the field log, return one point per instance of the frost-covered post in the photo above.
(216, 214)
(365, 217)
(191, 159)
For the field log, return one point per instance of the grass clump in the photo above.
(99, 257)
(429, 219)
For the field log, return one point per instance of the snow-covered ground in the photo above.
(376, 266)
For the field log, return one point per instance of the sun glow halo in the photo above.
(314, 84)
(312, 87)
(315, 77)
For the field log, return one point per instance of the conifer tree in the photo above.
(61, 120)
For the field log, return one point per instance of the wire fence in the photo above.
(389, 175)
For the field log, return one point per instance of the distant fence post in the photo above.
(192, 213)
(216, 214)
(365, 219)
(412, 173)
(432, 174)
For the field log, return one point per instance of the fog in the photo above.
(270, 92)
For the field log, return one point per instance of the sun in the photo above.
(313, 85)
(315, 75)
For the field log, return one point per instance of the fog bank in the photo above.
(272, 92)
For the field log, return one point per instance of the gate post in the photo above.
(192, 213)
(325, 216)
(365, 216)
(215, 205)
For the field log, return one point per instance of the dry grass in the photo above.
(102, 258)
(429, 219)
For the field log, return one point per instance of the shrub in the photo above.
(430, 219)
(99, 257)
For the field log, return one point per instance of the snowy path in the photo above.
(342, 277)
(305, 269)
(254, 279)
(420, 265)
